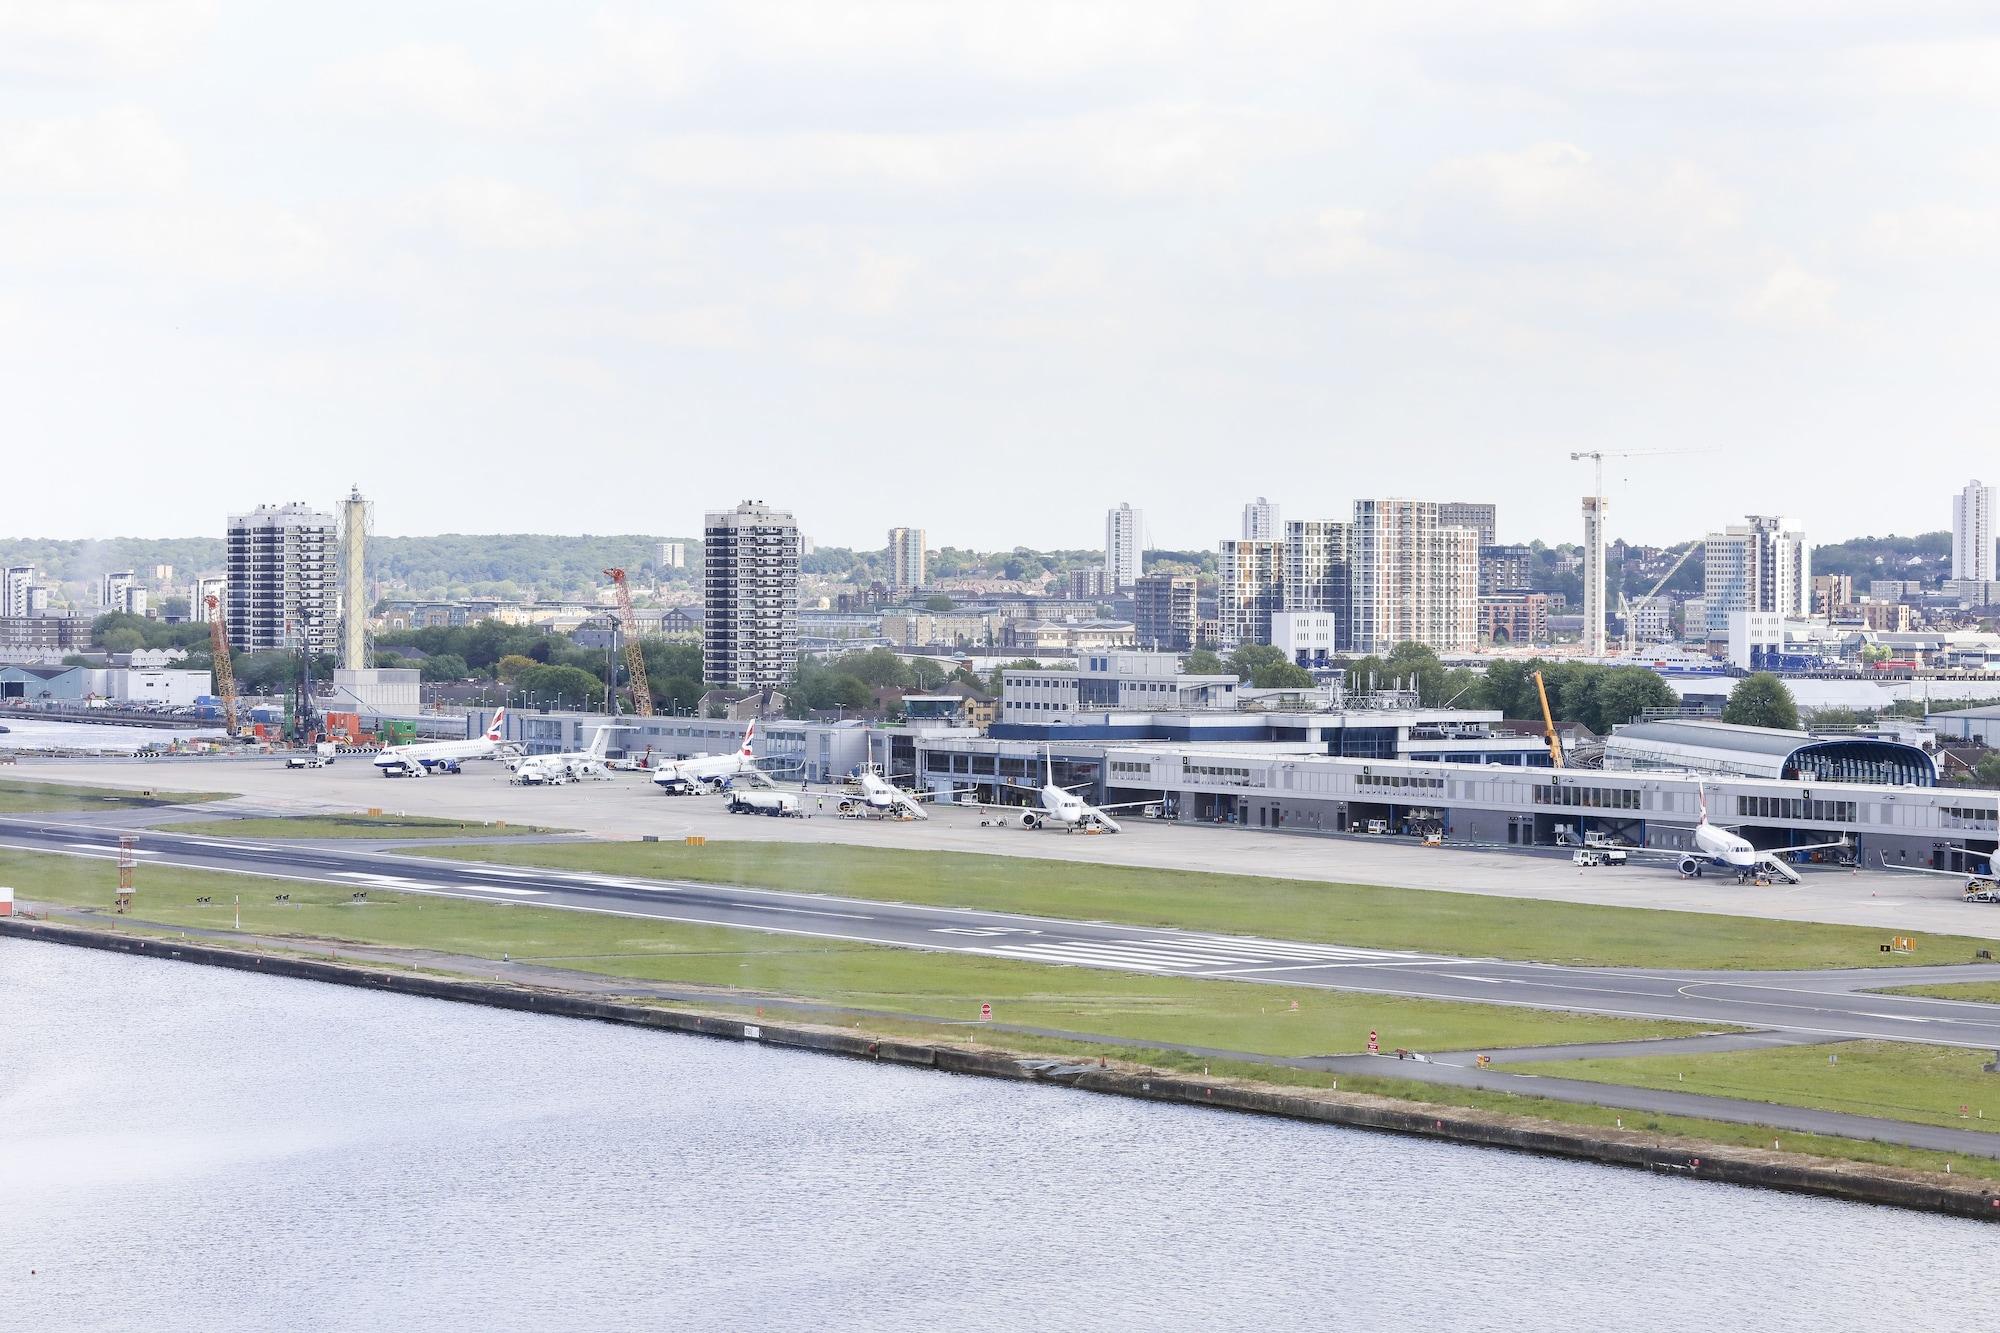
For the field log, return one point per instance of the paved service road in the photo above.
(1818, 1004)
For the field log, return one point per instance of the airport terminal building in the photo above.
(1479, 788)
(1405, 771)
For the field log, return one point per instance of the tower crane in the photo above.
(225, 673)
(635, 659)
(1594, 538)
(1628, 612)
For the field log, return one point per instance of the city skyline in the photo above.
(567, 248)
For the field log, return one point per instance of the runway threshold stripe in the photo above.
(1120, 957)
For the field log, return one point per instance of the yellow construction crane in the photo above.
(1549, 723)
(635, 659)
(225, 673)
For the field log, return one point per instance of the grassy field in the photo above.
(1895, 1080)
(32, 797)
(1979, 992)
(356, 826)
(1507, 1103)
(1231, 1015)
(1470, 925)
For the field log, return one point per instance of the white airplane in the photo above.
(1061, 805)
(880, 795)
(414, 761)
(569, 766)
(707, 772)
(1978, 888)
(1718, 847)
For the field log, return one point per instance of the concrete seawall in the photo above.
(1857, 1181)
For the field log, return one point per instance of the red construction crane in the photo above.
(635, 660)
(225, 674)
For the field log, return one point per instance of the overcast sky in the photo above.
(991, 269)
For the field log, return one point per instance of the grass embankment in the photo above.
(357, 826)
(1892, 1080)
(1231, 1015)
(1977, 992)
(35, 797)
(1463, 924)
(1412, 1090)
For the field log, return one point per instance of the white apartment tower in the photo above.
(1764, 564)
(1124, 547)
(15, 581)
(212, 585)
(1414, 579)
(284, 579)
(1596, 510)
(1260, 521)
(1972, 550)
(1249, 586)
(671, 555)
(750, 595)
(906, 560)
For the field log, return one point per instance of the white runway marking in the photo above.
(1194, 954)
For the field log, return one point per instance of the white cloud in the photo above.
(1789, 295)
(116, 151)
(1161, 149)
(96, 38)
(434, 81)
(1331, 241)
(1560, 191)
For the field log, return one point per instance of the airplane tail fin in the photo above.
(1049, 761)
(748, 732)
(1701, 798)
(600, 742)
(493, 727)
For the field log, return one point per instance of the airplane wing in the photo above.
(1927, 870)
(1808, 847)
(1131, 805)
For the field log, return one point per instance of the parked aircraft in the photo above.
(569, 766)
(1062, 806)
(1716, 847)
(878, 795)
(708, 772)
(414, 761)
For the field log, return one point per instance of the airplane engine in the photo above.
(1689, 867)
(848, 807)
(1031, 820)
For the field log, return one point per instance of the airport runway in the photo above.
(1827, 1005)
(626, 808)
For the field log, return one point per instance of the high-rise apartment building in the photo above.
(1124, 547)
(1505, 569)
(671, 555)
(113, 590)
(214, 585)
(1317, 573)
(1250, 585)
(15, 581)
(1163, 612)
(1762, 565)
(750, 603)
(1086, 583)
(284, 572)
(1481, 518)
(906, 560)
(1414, 579)
(1972, 532)
(1260, 521)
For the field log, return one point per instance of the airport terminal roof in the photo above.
(1702, 746)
